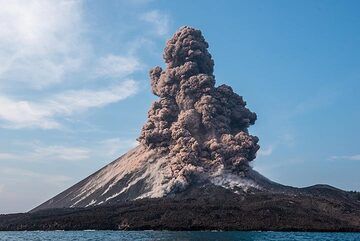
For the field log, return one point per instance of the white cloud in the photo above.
(49, 153)
(44, 43)
(21, 114)
(286, 140)
(40, 41)
(160, 21)
(7, 156)
(79, 100)
(350, 158)
(115, 66)
(39, 152)
(265, 151)
(60, 153)
(27, 174)
(116, 146)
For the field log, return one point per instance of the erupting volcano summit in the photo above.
(195, 133)
(198, 126)
(191, 169)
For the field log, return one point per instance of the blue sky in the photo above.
(74, 90)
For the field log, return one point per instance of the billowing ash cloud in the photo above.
(200, 127)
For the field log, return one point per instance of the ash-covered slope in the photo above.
(142, 173)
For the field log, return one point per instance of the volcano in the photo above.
(192, 168)
(196, 133)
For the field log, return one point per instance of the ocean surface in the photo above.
(176, 236)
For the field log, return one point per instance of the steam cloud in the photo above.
(198, 126)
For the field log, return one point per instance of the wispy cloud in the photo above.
(79, 100)
(265, 151)
(115, 66)
(48, 153)
(40, 41)
(56, 63)
(116, 146)
(286, 140)
(159, 20)
(349, 158)
(61, 153)
(40, 152)
(28, 174)
(7, 156)
(21, 113)
(41, 44)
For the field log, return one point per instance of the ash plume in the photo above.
(197, 126)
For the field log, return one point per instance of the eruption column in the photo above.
(198, 126)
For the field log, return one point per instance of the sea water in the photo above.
(175, 236)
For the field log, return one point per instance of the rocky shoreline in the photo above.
(317, 208)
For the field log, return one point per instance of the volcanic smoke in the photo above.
(199, 127)
(193, 157)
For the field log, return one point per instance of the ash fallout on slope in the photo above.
(199, 127)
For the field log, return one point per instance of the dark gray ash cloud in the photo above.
(198, 126)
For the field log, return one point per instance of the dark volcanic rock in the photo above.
(207, 207)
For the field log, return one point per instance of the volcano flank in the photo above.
(191, 170)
